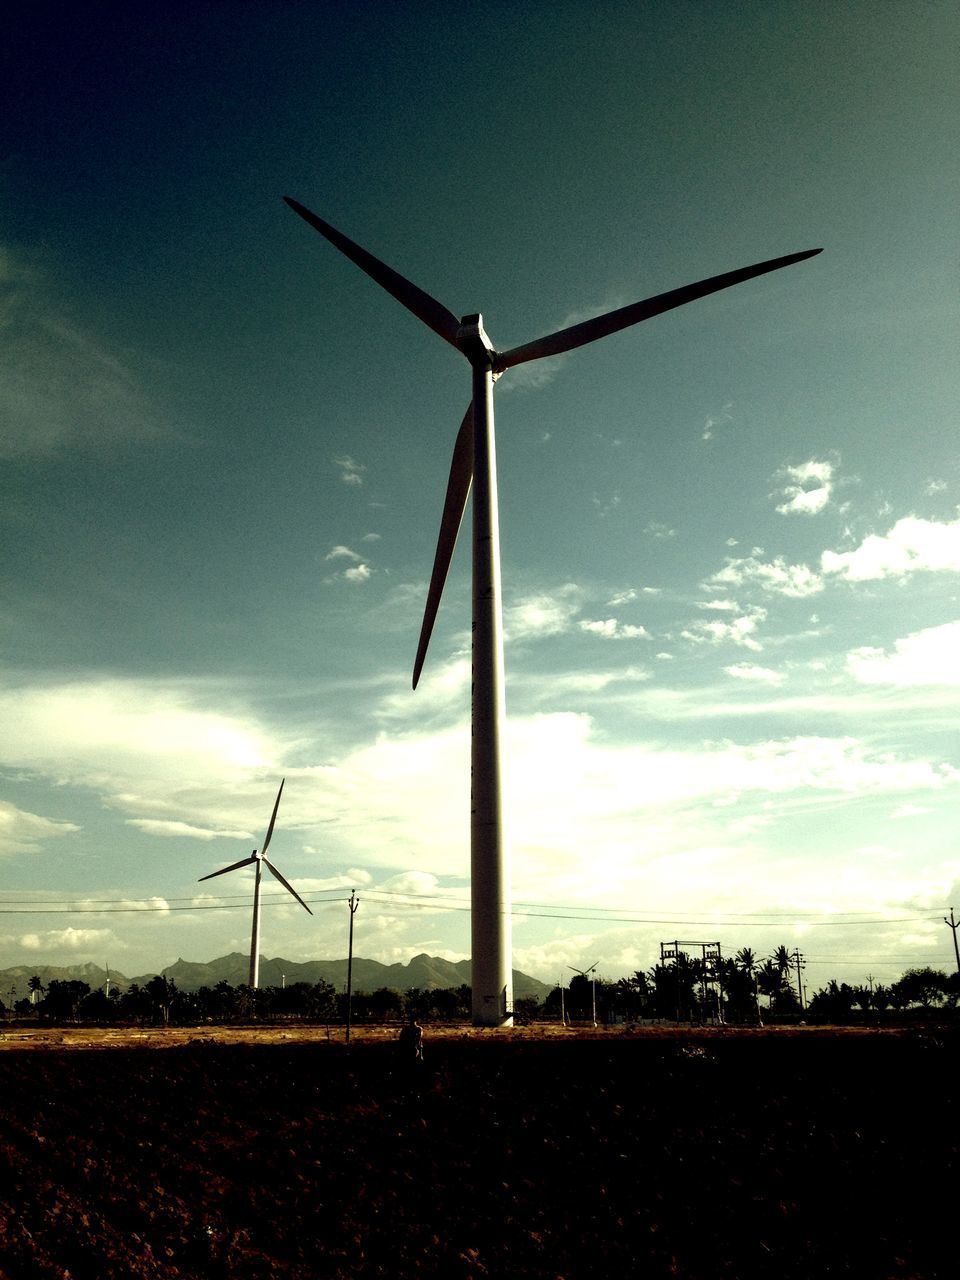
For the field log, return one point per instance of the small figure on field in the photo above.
(411, 1040)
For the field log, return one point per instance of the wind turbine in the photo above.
(474, 462)
(258, 860)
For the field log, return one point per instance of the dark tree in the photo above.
(924, 987)
(63, 999)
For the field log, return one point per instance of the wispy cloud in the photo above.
(359, 569)
(775, 576)
(23, 832)
(606, 506)
(714, 420)
(622, 597)
(176, 830)
(351, 471)
(760, 675)
(913, 545)
(739, 631)
(61, 386)
(806, 488)
(613, 629)
(538, 373)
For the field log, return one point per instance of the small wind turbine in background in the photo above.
(474, 462)
(258, 860)
(593, 985)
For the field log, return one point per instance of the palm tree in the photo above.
(783, 960)
(747, 962)
(769, 981)
(36, 987)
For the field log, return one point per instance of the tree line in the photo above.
(741, 989)
(748, 990)
(161, 1002)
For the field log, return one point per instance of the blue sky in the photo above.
(730, 536)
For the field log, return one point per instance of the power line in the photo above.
(397, 898)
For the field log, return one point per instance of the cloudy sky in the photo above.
(730, 536)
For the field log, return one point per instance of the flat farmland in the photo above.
(248, 1154)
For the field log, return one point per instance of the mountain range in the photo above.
(429, 973)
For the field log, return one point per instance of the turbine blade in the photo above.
(433, 314)
(234, 866)
(286, 884)
(613, 321)
(273, 818)
(458, 488)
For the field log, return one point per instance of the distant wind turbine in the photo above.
(258, 860)
(474, 462)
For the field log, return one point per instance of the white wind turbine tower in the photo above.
(474, 461)
(258, 860)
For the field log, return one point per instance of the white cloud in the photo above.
(23, 832)
(714, 420)
(177, 830)
(761, 675)
(357, 573)
(612, 629)
(341, 552)
(132, 738)
(775, 576)
(807, 487)
(412, 883)
(351, 471)
(655, 529)
(913, 545)
(719, 606)
(605, 506)
(68, 939)
(739, 631)
(622, 597)
(542, 614)
(929, 657)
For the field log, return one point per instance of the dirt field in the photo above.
(656, 1154)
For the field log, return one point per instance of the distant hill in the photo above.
(14, 982)
(429, 973)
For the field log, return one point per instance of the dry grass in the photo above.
(60, 1038)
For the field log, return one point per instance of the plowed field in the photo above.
(653, 1156)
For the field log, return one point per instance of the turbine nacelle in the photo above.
(474, 343)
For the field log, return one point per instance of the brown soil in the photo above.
(655, 1154)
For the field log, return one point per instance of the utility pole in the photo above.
(590, 973)
(563, 1012)
(352, 904)
(954, 925)
(797, 959)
